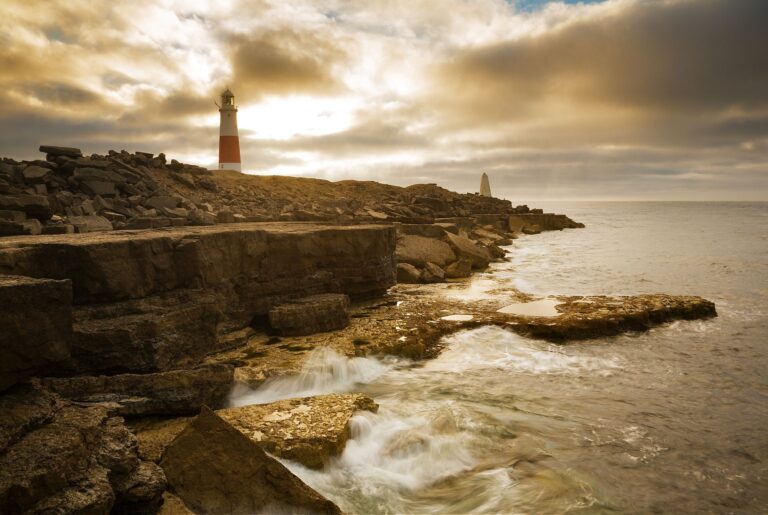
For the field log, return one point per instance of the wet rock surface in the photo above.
(309, 430)
(214, 468)
(309, 315)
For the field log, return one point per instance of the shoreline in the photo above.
(152, 327)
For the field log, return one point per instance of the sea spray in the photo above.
(324, 371)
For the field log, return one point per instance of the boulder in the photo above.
(466, 249)
(35, 174)
(90, 223)
(57, 457)
(178, 392)
(59, 229)
(60, 151)
(459, 269)
(35, 206)
(309, 315)
(309, 430)
(214, 468)
(432, 273)
(35, 326)
(103, 188)
(418, 250)
(408, 274)
(98, 175)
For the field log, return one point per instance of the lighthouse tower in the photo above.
(229, 141)
(485, 186)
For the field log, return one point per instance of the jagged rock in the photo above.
(35, 326)
(57, 457)
(459, 269)
(178, 392)
(35, 206)
(225, 217)
(90, 223)
(98, 175)
(60, 151)
(432, 273)
(466, 249)
(214, 468)
(172, 505)
(408, 274)
(309, 315)
(309, 430)
(418, 250)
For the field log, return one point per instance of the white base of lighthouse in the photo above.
(230, 166)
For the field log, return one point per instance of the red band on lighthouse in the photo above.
(229, 141)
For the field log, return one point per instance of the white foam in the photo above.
(324, 371)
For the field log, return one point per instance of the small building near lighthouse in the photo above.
(229, 140)
(485, 186)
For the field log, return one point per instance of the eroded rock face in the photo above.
(35, 326)
(309, 430)
(214, 468)
(419, 250)
(178, 392)
(310, 315)
(62, 458)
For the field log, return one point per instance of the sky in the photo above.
(602, 100)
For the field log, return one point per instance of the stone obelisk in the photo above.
(229, 140)
(485, 186)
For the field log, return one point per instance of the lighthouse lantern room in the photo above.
(229, 141)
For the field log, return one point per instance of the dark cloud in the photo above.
(284, 62)
(651, 56)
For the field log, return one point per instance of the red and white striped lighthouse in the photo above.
(229, 141)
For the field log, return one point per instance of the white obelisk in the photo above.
(485, 186)
(229, 140)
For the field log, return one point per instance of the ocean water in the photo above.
(674, 420)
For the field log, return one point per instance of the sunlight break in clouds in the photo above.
(648, 99)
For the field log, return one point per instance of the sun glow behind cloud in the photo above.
(568, 99)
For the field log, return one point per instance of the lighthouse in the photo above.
(229, 141)
(485, 186)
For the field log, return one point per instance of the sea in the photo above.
(673, 420)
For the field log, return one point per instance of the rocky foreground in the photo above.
(135, 294)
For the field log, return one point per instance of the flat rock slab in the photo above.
(178, 392)
(214, 468)
(309, 430)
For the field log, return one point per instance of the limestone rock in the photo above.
(35, 206)
(61, 151)
(35, 326)
(459, 269)
(418, 250)
(162, 332)
(29, 227)
(35, 174)
(432, 273)
(408, 274)
(91, 223)
(309, 315)
(466, 249)
(309, 430)
(214, 468)
(63, 458)
(178, 392)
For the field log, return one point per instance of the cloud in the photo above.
(622, 98)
